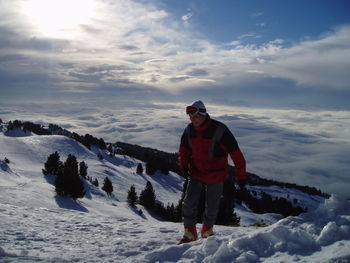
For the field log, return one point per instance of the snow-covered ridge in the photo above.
(37, 226)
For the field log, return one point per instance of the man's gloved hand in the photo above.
(241, 184)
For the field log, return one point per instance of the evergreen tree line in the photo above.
(28, 126)
(266, 204)
(87, 140)
(155, 160)
(169, 162)
(256, 180)
(147, 198)
(151, 168)
(70, 176)
(226, 214)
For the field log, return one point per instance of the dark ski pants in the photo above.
(213, 193)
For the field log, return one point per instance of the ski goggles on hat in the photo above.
(194, 110)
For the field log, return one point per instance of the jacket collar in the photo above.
(205, 125)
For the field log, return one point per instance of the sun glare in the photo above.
(58, 18)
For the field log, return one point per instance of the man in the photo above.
(203, 156)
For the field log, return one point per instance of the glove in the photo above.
(241, 184)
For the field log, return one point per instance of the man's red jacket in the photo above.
(204, 151)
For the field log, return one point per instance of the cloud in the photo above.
(257, 14)
(322, 63)
(179, 78)
(141, 45)
(129, 47)
(156, 60)
(261, 24)
(187, 16)
(296, 146)
(198, 72)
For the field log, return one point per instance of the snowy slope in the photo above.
(28, 155)
(37, 226)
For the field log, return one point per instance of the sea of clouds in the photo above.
(296, 146)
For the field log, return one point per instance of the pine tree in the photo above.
(17, 124)
(107, 186)
(132, 196)
(68, 182)
(76, 186)
(178, 212)
(95, 182)
(139, 169)
(151, 168)
(147, 196)
(102, 144)
(110, 149)
(10, 126)
(164, 169)
(170, 213)
(83, 169)
(52, 165)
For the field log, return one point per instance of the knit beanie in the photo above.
(200, 106)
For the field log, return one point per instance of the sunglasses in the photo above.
(194, 110)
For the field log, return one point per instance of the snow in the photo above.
(37, 226)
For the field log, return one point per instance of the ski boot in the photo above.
(189, 236)
(207, 231)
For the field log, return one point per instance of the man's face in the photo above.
(196, 119)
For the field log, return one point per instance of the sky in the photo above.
(277, 73)
(290, 54)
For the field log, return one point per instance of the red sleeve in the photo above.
(184, 157)
(240, 164)
(184, 150)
